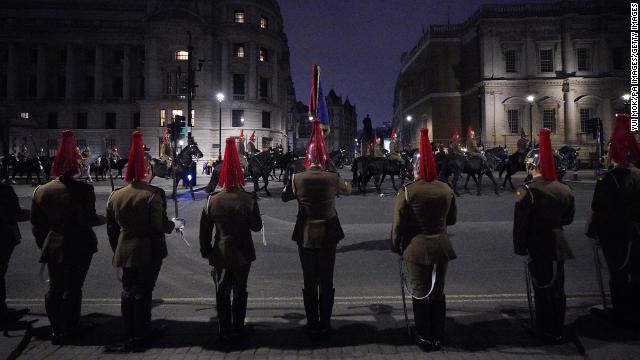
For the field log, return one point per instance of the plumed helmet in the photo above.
(231, 174)
(316, 149)
(65, 162)
(252, 137)
(623, 147)
(137, 164)
(423, 160)
(456, 135)
(543, 158)
(470, 132)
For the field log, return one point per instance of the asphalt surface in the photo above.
(485, 287)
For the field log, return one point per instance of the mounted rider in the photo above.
(166, 153)
(454, 144)
(233, 213)
(378, 150)
(367, 139)
(423, 210)
(240, 149)
(472, 147)
(523, 143)
(394, 148)
(543, 206)
(252, 144)
(615, 222)
(114, 155)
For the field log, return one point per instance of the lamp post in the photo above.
(530, 99)
(626, 98)
(220, 97)
(408, 118)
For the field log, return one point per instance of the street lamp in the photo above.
(220, 97)
(530, 99)
(409, 118)
(626, 98)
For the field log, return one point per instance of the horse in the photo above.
(159, 168)
(404, 169)
(118, 164)
(99, 167)
(30, 165)
(260, 166)
(366, 167)
(455, 164)
(501, 155)
(338, 157)
(570, 156)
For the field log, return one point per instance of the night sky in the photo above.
(358, 43)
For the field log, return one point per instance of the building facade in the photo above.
(513, 67)
(103, 68)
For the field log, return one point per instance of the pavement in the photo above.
(485, 291)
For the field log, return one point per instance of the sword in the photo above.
(404, 300)
(264, 239)
(181, 232)
(527, 279)
(596, 259)
(41, 273)
(108, 164)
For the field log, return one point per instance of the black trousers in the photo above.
(136, 300)
(141, 280)
(421, 279)
(550, 298)
(624, 283)
(64, 299)
(233, 280)
(317, 267)
(5, 256)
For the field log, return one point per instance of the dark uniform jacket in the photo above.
(542, 208)
(317, 224)
(63, 213)
(10, 215)
(234, 214)
(136, 223)
(422, 212)
(522, 145)
(252, 148)
(616, 213)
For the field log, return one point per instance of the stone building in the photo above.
(103, 68)
(508, 67)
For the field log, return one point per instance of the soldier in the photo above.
(242, 154)
(233, 213)
(543, 206)
(423, 210)
(378, 150)
(454, 144)
(472, 148)
(62, 214)
(166, 153)
(10, 215)
(394, 148)
(317, 231)
(114, 155)
(252, 144)
(367, 138)
(136, 223)
(615, 222)
(523, 144)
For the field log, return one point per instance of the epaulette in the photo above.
(522, 192)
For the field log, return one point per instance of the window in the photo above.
(263, 55)
(264, 22)
(91, 57)
(33, 86)
(33, 56)
(182, 55)
(617, 57)
(549, 119)
(175, 85)
(583, 57)
(89, 86)
(238, 16)
(135, 120)
(81, 120)
(52, 120)
(110, 120)
(62, 86)
(176, 112)
(62, 56)
(24, 115)
(117, 86)
(238, 84)
(510, 61)
(266, 120)
(238, 50)
(193, 118)
(237, 118)
(585, 115)
(264, 88)
(546, 60)
(163, 117)
(118, 57)
(513, 119)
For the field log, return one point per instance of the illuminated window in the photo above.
(237, 118)
(163, 117)
(24, 115)
(182, 55)
(264, 22)
(238, 16)
(238, 50)
(264, 55)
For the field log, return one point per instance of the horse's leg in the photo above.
(467, 182)
(378, 184)
(478, 183)
(493, 180)
(256, 186)
(266, 183)
(456, 175)
(393, 182)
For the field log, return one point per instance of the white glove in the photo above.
(178, 223)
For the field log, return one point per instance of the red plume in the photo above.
(456, 136)
(231, 174)
(469, 132)
(253, 136)
(316, 149)
(393, 134)
(623, 147)
(428, 170)
(547, 163)
(66, 160)
(241, 134)
(137, 164)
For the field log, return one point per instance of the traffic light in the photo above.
(177, 128)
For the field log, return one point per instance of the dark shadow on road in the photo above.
(372, 245)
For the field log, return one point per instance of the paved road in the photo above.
(483, 284)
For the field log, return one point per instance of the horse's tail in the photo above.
(354, 170)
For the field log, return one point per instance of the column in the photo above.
(126, 74)
(98, 80)
(253, 75)
(41, 72)
(275, 79)
(12, 72)
(70, 73)
(571, 129)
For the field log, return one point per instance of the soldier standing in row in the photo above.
(615, 222)
(252, 144)
(422, 212)
(317, 231)
(10, 215)
(233, 213)
(543, 206)
(62, 214)
(136, 223)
